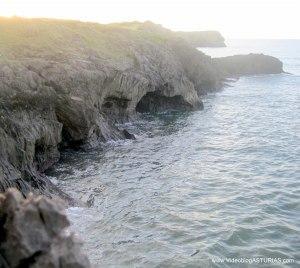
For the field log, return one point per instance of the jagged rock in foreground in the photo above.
(250, 64)
(33, 234)
(203, 38)
(68, 84)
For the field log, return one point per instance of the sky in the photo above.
(233, 18)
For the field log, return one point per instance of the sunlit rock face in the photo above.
(33, 234)
(67, 84)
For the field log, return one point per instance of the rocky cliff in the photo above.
(251, 64)
(67, 83)
(33, 234)
(203, 38)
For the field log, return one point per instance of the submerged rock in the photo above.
(128, 135)
(33, 234)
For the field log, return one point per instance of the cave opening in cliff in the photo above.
(154, 102)
(68, 141)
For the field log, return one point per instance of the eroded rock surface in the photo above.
(71, 89)
(68, 84)
(33, 234)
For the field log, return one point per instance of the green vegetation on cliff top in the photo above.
(30, 38)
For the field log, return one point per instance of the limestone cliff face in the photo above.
(67, 83)
(203, 38)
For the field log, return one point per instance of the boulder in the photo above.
(128, 135)
(33, 233)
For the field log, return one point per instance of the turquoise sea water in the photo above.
(195, 187)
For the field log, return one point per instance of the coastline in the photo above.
(71, 92)
(50, 104)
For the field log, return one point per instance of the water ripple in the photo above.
(223, 182)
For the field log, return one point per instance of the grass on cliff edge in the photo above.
(22, 38)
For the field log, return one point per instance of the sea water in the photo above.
(196, 188)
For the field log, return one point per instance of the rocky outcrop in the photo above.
(251, 64)
(68, 83)
(33, 234)
(203, 38)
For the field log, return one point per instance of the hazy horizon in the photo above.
(233, 19)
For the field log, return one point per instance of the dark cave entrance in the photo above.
(154, 102)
